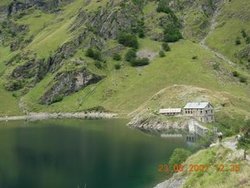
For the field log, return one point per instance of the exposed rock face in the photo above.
(17, 6)
(27, 74)
(196, 27)
(66, 83)
(176, 181)
(154, 123)
(110, 20)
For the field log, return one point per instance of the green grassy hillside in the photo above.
(233, 18)
(39, 44)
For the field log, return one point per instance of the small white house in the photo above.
(202, 111)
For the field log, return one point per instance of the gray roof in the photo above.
(199, 105)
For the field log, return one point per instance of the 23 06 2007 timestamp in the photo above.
(198, 167)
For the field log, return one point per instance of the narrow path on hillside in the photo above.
(213, 24)
(232, 145)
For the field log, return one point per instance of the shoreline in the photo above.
(60, 115)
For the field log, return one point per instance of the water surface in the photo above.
(80, 154)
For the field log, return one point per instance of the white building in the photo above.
(202, 111)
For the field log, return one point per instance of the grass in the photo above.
(8, 103)
(125, 89)
(36, 21)
(233, 18)
(214, 178)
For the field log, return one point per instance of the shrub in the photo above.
(248, 40)
(117, 57)
(178, 157)
(244, 34)
(162, 54)
(195, 57)
(165, 46)
(163, 7)
(235, 74)
(243, 79)
(140, 62)
(117, 66)
(172, 34)
(94, 54)
(128, 40)
(141, 33)
(237, 41)
(130, 55)
(98, 64)
(216, 66)
(58, 98)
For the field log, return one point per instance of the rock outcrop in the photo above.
(153, 123)
(111, 19)
(17, 5)
(66, 83)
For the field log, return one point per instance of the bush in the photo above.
(130, 55)
(216, 66)
(117, 66)
(94, 54)
(172, 34)
(178, 157)
(98, 64)
(235, 74)
(162, 54)
(141, 33)
(243, 79)
(117, 57)
(163, 7)
(244, 34)
(128, 40)
(248, 40)
(57, 98)
(140, 62)
(165, 46)
(195, 57)
(237, 41)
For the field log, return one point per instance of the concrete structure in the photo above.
(202, 111)
(171, 111)
(195, 127)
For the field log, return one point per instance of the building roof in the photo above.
(196, 105)
(170, 110)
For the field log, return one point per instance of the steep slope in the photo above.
(217, 166)
(59, 57)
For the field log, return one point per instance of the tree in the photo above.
(172, 34)
(128, 40)
(130, 55)
(94, 54)
(163, 7)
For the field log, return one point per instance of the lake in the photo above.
(81, 154)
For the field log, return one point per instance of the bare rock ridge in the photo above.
(68, 82)
(17, 5)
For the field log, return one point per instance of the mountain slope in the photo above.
(45, 66)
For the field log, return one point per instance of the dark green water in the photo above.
(80, 154)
